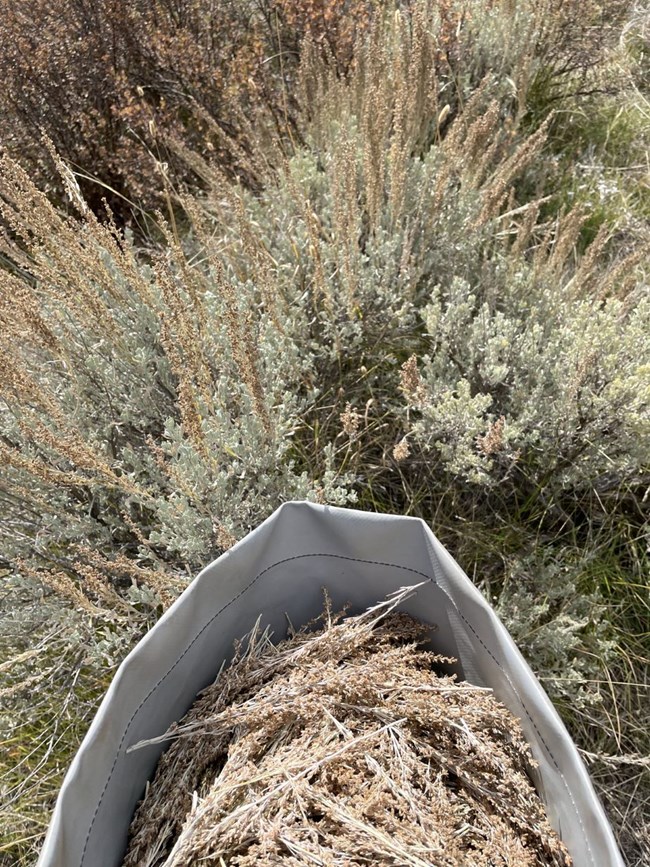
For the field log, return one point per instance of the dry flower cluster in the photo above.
(343, 745)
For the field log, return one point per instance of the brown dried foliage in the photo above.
(333, 25)
(341, 746)
(115, 84)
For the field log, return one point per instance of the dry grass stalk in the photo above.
(498, 187)
(566, 238)
(525, 230)
(342, 746)
(350, 421)
(346, 215)
(120, 567)
(62, 584)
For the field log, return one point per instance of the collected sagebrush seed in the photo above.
(342, 745)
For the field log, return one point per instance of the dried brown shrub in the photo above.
(334, 25)
(343, 746)
(115, 84)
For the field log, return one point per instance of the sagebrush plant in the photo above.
(115, 85)
(395, 316)
(146, 423)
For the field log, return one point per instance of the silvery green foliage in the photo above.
(531, 412)
(558, 625)
(500, 338)
(567, 374)
(175, 500)
(121, 395)
(534, 392)
(450, 424)
(118, 471)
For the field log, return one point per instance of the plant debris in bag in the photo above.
(344, 745)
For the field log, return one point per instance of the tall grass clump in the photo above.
(405, 311)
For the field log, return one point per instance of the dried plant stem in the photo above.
(343, 746)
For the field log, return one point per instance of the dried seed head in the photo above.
(411, 382)
(350, 419)
(224, 537)
(343, 738)
(492, 441)
(401, 450)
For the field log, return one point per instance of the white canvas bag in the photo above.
(279, 570)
